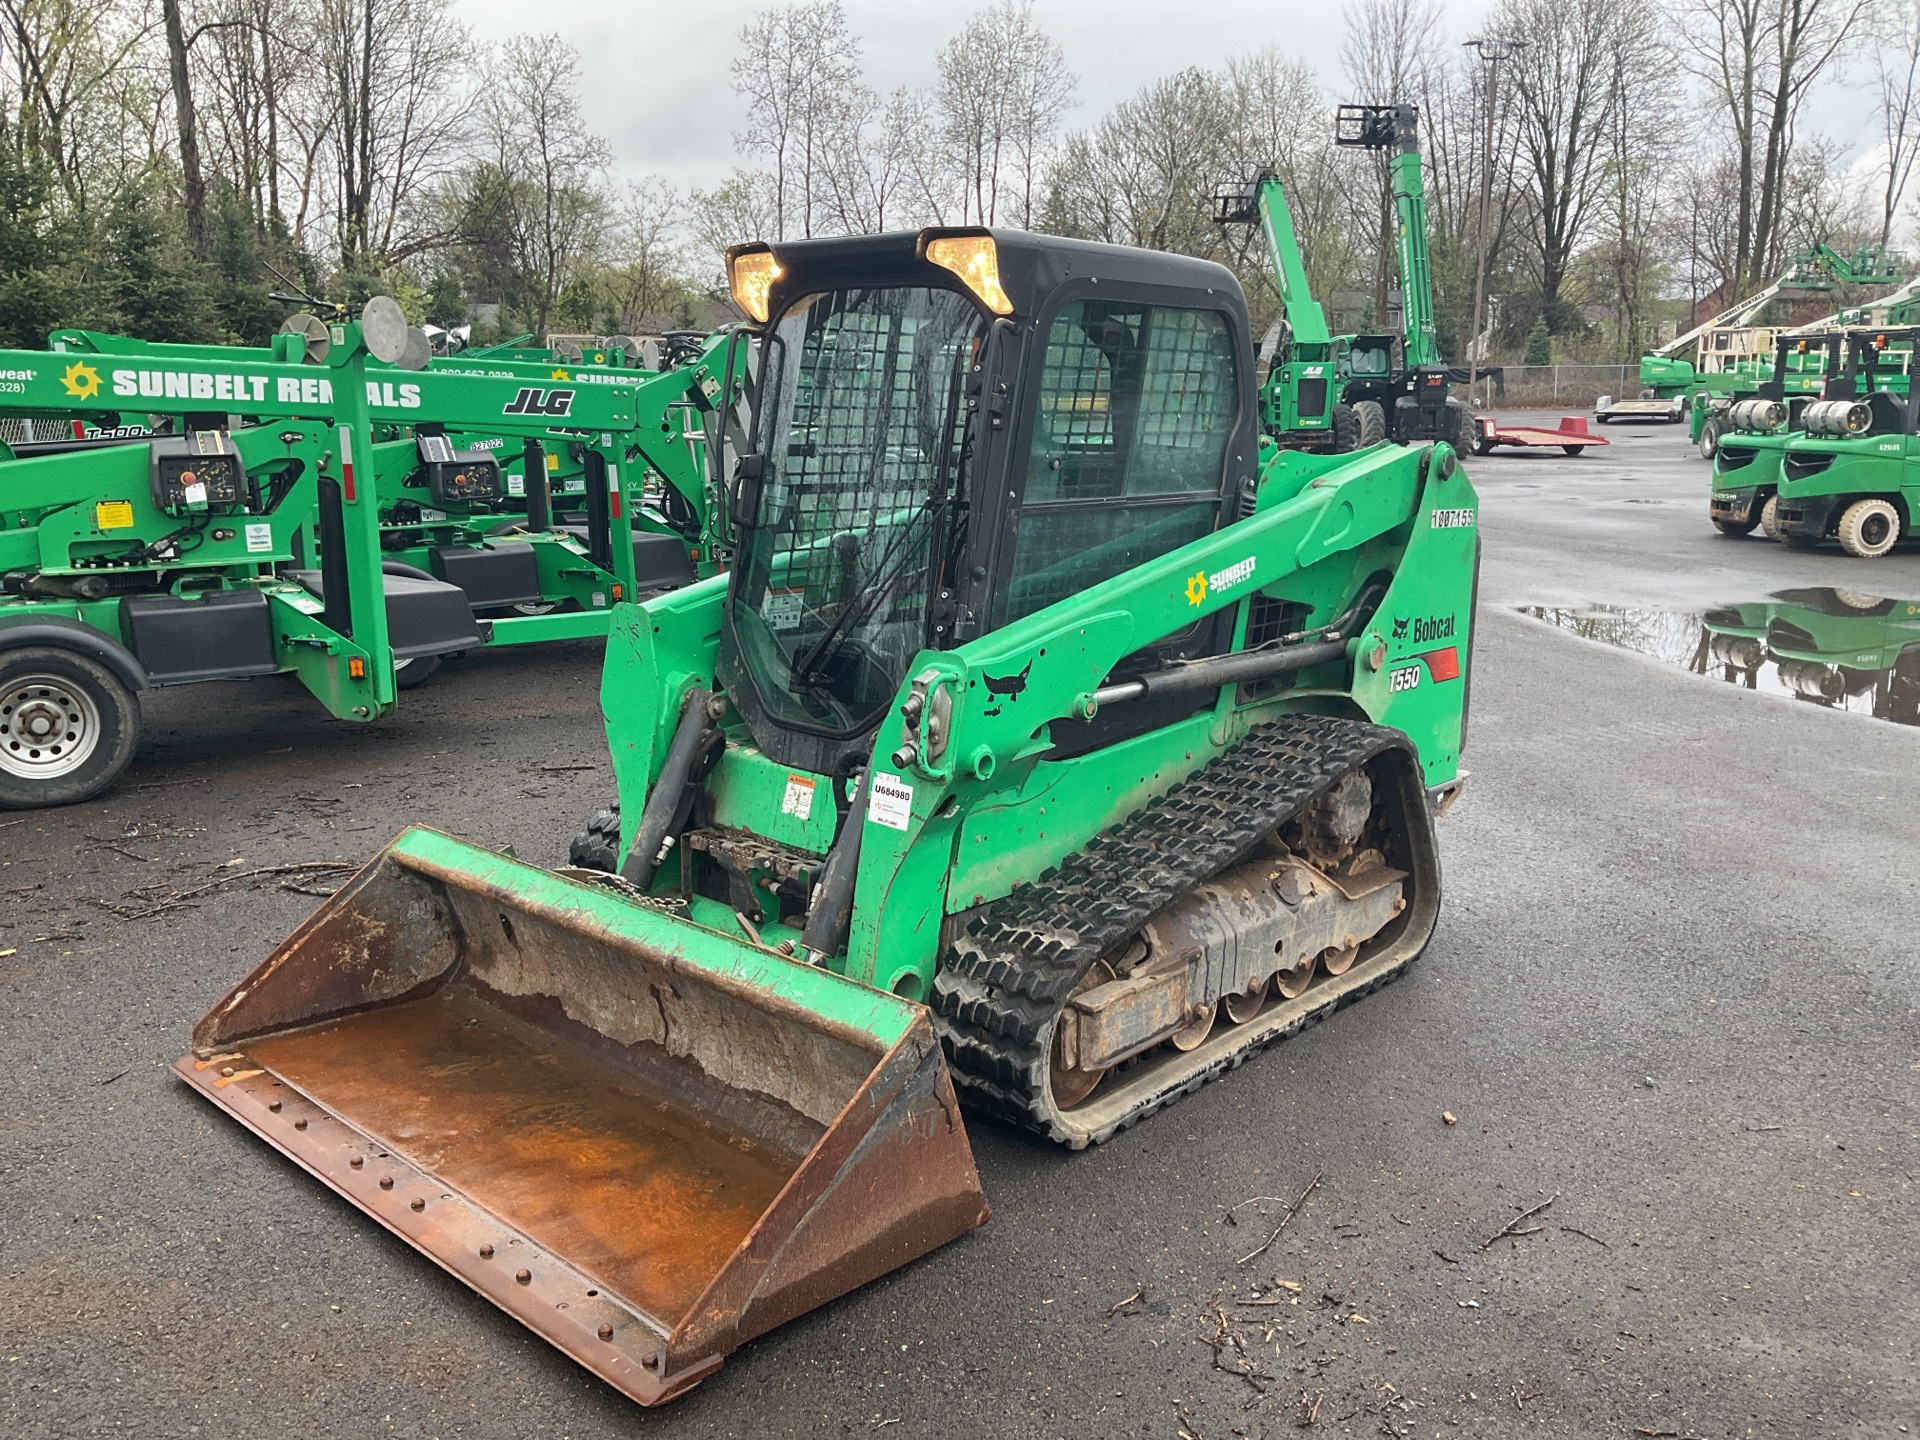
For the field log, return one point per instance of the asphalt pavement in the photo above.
(1674, 994)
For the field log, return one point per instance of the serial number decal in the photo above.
(1453, 519)
(1403, 677)
(889, 801)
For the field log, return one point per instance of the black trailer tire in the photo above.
(1346, 429)
(1373, 422)
(412, 674)
(598, 846)
(1869, 528)
(68, 727)
(1573, 449)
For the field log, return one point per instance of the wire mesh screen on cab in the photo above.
(862, 424)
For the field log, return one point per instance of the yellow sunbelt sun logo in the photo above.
(82, 380)
(559, 375)
(1202, 584)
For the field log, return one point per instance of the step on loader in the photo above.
(1053, 745)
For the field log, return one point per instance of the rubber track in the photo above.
(1008, 974)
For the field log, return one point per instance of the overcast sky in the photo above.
(656, 84)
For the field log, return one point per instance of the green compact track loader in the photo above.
(1053, 744)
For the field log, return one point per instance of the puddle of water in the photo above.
(1838, 649)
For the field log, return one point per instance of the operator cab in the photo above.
(955, 429)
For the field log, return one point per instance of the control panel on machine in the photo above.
(459, 477)
(196, 472)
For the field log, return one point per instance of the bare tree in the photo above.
(643, 285)
(1386, 53)
(397, 70)
(797, 69)
(534, 211)
(878, 162)
(1897, 62)
(1760, 60)
(1003, 88)
(1574, 68)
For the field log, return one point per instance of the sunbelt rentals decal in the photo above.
(1202, 584)
(83, 381)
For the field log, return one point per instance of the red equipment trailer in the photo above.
(1573, 436)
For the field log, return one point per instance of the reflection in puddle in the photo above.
(1840, 649)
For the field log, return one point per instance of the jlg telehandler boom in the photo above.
(1051, 734)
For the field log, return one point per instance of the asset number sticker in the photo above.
(1404, 677)
(113, 514)
(1453, 519)
(798, 801)
(259, 538)
(890, 802)
(784, 609)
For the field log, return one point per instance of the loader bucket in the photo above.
(646, 1140)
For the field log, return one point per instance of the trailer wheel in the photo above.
(1573, 449)
(1709, 439)
(1373, 422)
(1869, 528)
(68, 727)
(1770, 519)
(412, 674)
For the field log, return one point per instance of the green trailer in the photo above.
(217, 552)
(1054, 744)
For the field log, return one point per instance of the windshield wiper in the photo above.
(887, 572)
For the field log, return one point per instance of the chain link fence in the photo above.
(1540, 387)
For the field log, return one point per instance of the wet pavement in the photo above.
(1674, 993)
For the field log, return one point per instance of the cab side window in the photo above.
(1137, 404)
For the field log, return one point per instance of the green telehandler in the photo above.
(1336, 393)
(1299, 407)
(212, 552)
(1054, 743)
(1397, 384)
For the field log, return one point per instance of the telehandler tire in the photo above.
(1709, 439)
(1869, 528)
(1346, 429)
(68, 727)
(1373, 422)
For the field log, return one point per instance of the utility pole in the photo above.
(1492, 50)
